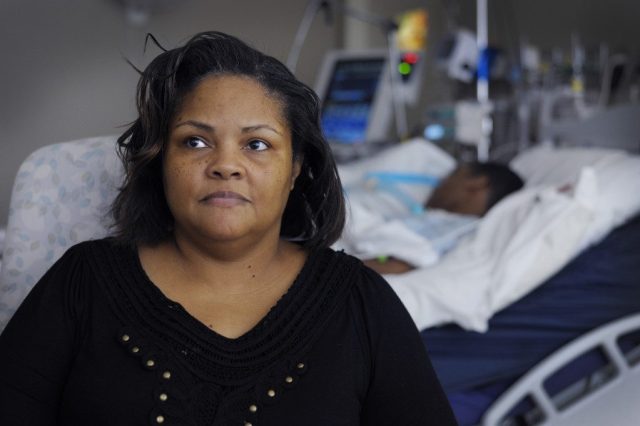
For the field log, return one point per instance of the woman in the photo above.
(217, 301)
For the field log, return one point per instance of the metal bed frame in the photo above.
(606, 396)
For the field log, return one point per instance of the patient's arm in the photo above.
(390, 266)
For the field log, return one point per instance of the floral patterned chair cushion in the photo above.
(61, 196)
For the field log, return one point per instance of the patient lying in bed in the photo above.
(518, 244)
(450, 212)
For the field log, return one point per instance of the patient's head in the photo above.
(473, 188)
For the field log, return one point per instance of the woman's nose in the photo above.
(225, 164)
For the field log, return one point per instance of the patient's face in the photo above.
(461, 192)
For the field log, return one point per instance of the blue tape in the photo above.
(388, 181)
(396, 177)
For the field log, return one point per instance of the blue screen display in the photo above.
(349, 99)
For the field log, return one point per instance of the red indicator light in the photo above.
(410, 57)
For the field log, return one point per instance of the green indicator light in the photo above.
(404, 68)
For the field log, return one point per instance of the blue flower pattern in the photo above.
(61, 196)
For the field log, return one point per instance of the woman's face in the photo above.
(228, 167)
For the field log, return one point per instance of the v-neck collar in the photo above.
(288, 329)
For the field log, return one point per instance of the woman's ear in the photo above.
(295, 171)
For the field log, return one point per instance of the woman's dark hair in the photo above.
(502, 180)
(315, 212)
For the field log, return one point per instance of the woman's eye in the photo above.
(194, 142)
(257, 145)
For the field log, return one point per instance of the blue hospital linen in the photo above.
(442, 229)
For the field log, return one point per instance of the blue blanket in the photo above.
(600, 285)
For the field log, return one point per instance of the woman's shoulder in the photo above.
(99, 248)
(77, 259)
(365, 278)
(69, 280)
(107, 243)
(336, 268)
(338, 258)
(371, 293)
(368, 286)
(87, 257)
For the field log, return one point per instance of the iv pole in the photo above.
(482, 85)
(388, 26)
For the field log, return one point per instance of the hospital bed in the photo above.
(62, 194)
(591, 400)
(596, 288)
(483, 353)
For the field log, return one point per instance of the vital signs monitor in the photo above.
(354, 89)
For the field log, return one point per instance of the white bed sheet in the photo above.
(521, 242)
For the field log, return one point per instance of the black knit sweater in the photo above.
(97, 343)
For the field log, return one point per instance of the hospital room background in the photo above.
(534, 317)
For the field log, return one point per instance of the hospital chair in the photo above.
(61, 196)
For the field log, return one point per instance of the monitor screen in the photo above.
(348, 101)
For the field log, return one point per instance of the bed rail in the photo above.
(609, 400)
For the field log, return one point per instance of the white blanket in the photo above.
(521, 242)
(418, 239)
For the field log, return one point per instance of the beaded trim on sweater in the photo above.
(240, 374)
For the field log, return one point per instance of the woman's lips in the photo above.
(224, 199)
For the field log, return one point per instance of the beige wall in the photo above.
(550, 23)
(63, 76)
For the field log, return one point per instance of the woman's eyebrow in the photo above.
(249, 129)
(208, 128)
(198, 124)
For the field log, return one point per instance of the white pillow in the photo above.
(416, 156)
(617, 173)
(547, 165)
